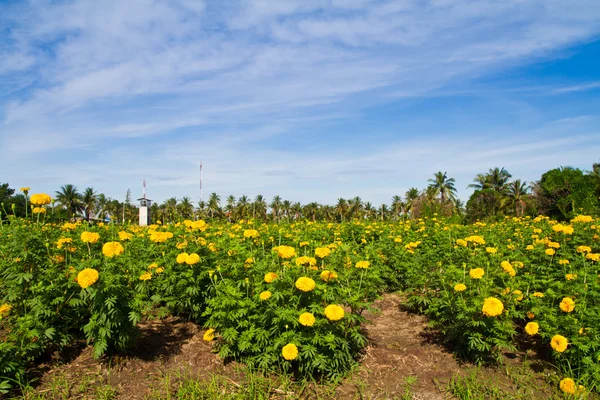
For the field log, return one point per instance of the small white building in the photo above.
(145, 211)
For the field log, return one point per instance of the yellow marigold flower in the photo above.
(251, 233)
(306, 319)
(460, 287)
(62, 241)
(529, 247)
(492, 307)
(112, 249)
(328, 275)
(333, 312)
(146, 276)
(5, 308)
(476, 273)
(553, 245)
(89, 237)
(491, 250)
(550, 252)
(181, 258)
(264, 295)
(153, 266)
(200, 225)
(39, 210)
(285, 251)
(40, 199)
(399, 240)
(289, 352)
(563, 262)
(125, 235)
(270, 277)
(305, 284)
(570, 277)
(159, 270)
(209, 335)
(160, 237)
(567, 304)
(538, 294)
(518, 294)
(593, 256)
(461, 242)
(532, 328)
(87, 277)
(192, 259)
(25, 189)
(583, 218)
(584, 249)
(568, 386)
(308, 261)
(182, 245)
(304, 243)
(559, 343)
(362, 264)
(568, 230)
(530, 315)
(322, 252)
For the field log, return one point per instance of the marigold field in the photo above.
(293, 298)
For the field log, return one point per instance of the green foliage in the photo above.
(566, 192)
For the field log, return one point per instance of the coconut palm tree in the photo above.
(286, 206)
(101, 203)
(170, 208)
(214, 204)
(185, 208)
(443, 186)
(89, 201)
(242, 207)
(230, 207)
(496, 179)
(397, 206)
(69, 198)
(259, 207)
(341, 208)
(276, 207)
(516, 193)
(296, 210)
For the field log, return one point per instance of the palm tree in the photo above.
(369, 210)
(201, 214)
(185, 208)
(443, 185)
(341, 207)
(69, 197)
(311, 210)
(384, 211)
(170, 208)
(397, 206)
(296, 209)
(101, 205)
(259, 207)
(480, 182)
(276, 207)
(89, 201)
(286, 205)
(242, 207)
(214, 204)
(411, 195)
(496, 179)
(355, 207)
(230, 207)
(516, 192)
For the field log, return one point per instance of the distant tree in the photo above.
(69, 198)
(483, 204)
(443, 186)
(89, 201)
(516, 193)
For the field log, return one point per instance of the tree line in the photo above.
(561, 193)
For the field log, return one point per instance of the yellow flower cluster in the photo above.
(39, 210)
(550, 252)
(160, 237)
(289, 352)
(461, 242)
(492, 307)
(508, 268)
(584, 249)
(270, 277)
(40, 199)
(264, 295)
(583, 218)
(125, 235)
(476, 273)
(460, 287)
(145, 276)
(62, 241)
(328, 275)
(112, 249)
(559, 343)
(90, 237)
(306, 319)
(322, 252)
(4, 309)
(285, 251)
(475, 239)
(251, 233)
(362, 264)
(491, 250)
(306, 261)
(593, 256)
(87, 277)
(567, 305)
(209, 335)
(305, 284)
(532, 328)
(333, 312)
(566, 229)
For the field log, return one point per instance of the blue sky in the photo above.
(310, 100)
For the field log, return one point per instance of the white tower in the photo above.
(145, 204)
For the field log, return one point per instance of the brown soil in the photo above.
(400, 359)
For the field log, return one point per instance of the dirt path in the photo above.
(400, 362)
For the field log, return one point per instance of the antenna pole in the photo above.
(200, 180)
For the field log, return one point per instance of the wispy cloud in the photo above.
(103, 93)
